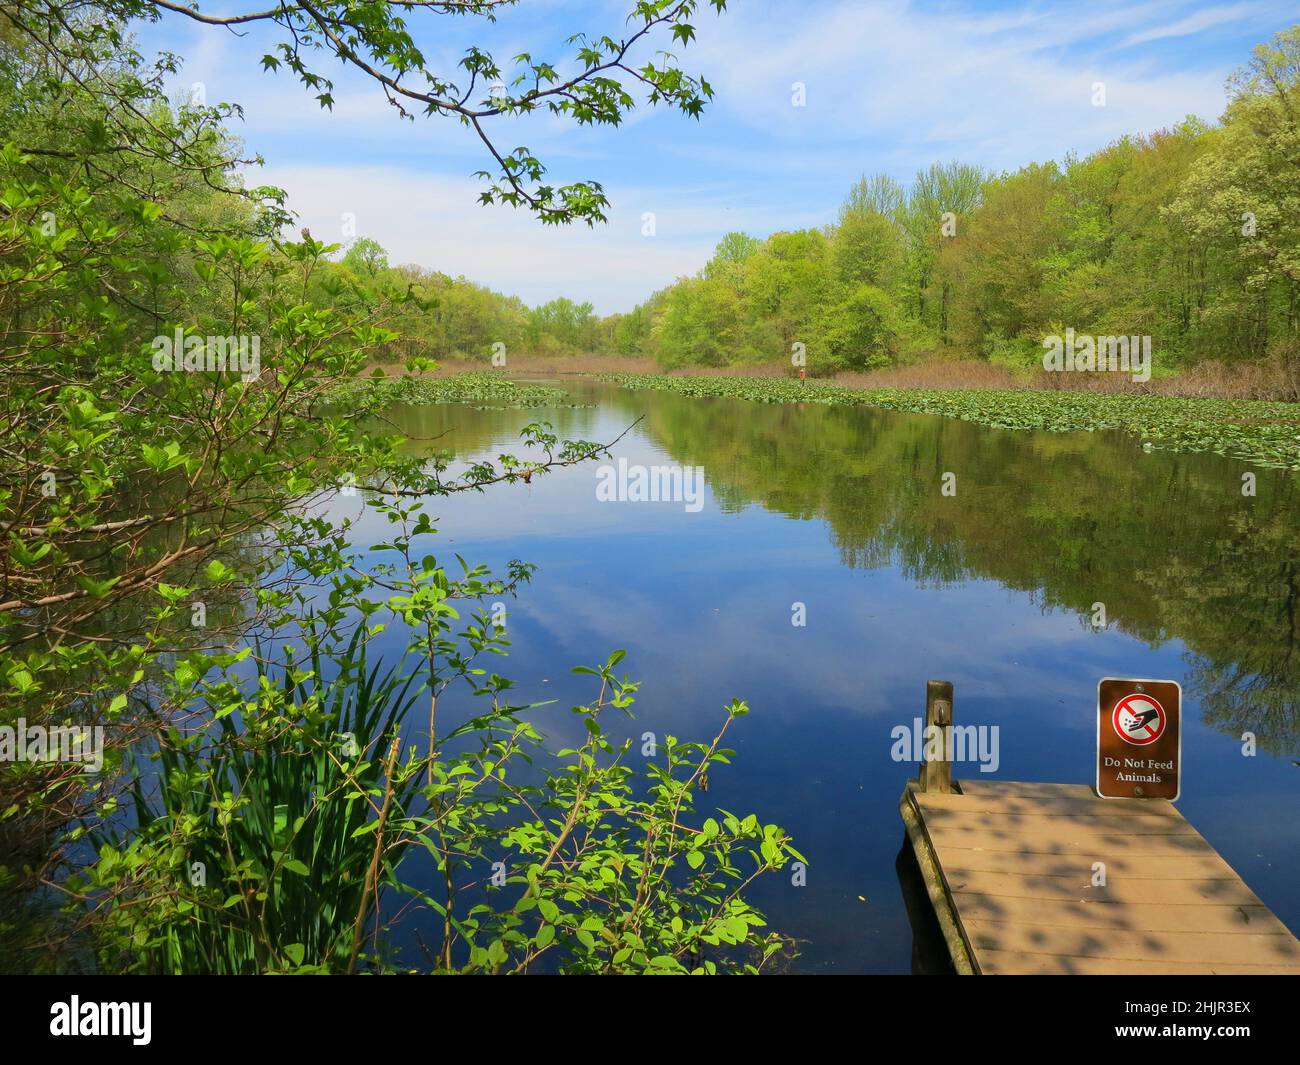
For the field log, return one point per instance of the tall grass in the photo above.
(281, 813)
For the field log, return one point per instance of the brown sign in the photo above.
(1139, 739)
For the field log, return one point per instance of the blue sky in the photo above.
(890, 86)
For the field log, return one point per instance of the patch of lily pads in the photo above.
(482, 389)
(1262, 433)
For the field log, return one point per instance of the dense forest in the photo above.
(442, 317)
(1189, 235)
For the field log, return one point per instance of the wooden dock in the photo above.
(1049, 878)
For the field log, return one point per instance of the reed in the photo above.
(282, 800)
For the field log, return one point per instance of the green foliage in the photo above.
(366, 258)
(598, 83)
(1237, 211)
(1018, 353)
(272, 801)
(562, 326)
(701, 323)
(159, 513)
(879, 194)
(866, 250)
(276, 840)
(729, 258)
(434, 316)
(858, 332)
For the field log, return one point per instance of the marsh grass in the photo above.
(283, 800)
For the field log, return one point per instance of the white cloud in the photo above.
(1000, 88)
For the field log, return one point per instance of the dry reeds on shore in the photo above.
(1220, 379)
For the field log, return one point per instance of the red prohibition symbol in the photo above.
(1138, 719)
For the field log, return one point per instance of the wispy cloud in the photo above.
(1199, 22)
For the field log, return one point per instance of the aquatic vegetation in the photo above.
(475, 387)
(1264, 434)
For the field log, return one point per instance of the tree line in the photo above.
(1190, 235)
(445, 317)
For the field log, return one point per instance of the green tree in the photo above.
(940, 200)
(366, 258)
(702, 324)
(859, 331)
(729, 259)
(866, 250)
(997, 266)
(879, 194)
(1240, 204)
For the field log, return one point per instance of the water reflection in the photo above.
(839, 509)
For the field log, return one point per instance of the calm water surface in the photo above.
(839, 509)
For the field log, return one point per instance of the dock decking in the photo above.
(1013, 873)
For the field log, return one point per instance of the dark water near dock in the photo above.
(840, 509)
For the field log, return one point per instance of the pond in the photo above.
(837, 517)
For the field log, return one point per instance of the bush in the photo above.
(857, 332)
(279, 835)
(1018, 354)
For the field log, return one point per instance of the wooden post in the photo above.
(937, 775)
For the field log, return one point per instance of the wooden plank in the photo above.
(1203, 867)
(979, 788)
(1188, 891)
(1098, 846)
(1009, 962)
(1109, 915)
(1049, 823)
(1136, 946)
(986, 801)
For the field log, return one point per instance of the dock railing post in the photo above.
(936, 775)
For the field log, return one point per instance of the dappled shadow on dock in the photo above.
(1050, 878)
